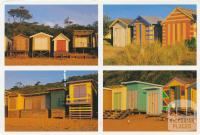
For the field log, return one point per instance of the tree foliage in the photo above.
(158, 77)
(106, 22)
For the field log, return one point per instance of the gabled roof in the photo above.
(182, 80)
(148, 20)
(42, 34)
(140, 82)
(192, 14)
(188, 12)
(21, 35)
(61, 35)
(193, 85)
(125, 21)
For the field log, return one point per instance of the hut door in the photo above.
(153, 101)
(119, 37)
(117, 101)
(193, 99)
(41, 44)
(61, 45)
(132, 100)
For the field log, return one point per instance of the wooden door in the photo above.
(193, 99)
(81, 42)
(132, 99)
(41, 43)
(61, 46)
(153, 103)
(119, 37)
(117, 101)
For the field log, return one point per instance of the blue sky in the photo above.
(132, 11)
(31, 77)
(55, 14)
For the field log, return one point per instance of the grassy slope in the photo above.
(148, 55)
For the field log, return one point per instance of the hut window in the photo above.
(79, 91)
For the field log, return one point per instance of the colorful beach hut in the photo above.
(121, 32)
(61, 45)
(57, 102)
(36, 105)
(20, 45)
(83, 40)
(179, 26)
(192, 97)
(144, 97)
(107, 99)
(15, 103)
(41, 44)
(82, 99)
(177, 89)
(8, 45)
(146, 30)
(119, 98)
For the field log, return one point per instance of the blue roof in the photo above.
(148, 20)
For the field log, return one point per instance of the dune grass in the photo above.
(149, 55)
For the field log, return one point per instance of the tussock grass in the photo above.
(149, 55)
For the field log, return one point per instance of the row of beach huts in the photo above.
(43, 44)
(178, 26)
(179, 95)
(79, 100)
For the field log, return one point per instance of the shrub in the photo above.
(191, 44)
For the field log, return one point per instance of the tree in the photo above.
(37, 83)
(20, 13)
(19, 84)
(68, 22)
(106, 22)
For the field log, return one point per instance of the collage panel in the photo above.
(150, 100)
(157, 34)
(51, 34)
(51, 100)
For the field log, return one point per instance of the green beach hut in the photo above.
(57, 104)
(144, 97)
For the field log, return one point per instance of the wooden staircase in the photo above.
(81, 111)
(112, 114)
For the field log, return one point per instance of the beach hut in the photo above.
(20, 45)
(36, 105)
(8, 45)
(192, 97)
(107, 99)
(146, 30)
(177, 89)
(144, 97)
(121, 32)
(15, 103)
(179, 26)
(41, 44)
(82, 99)
(57, 102)
(83, 40)
(61, 45)
(119, 98)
